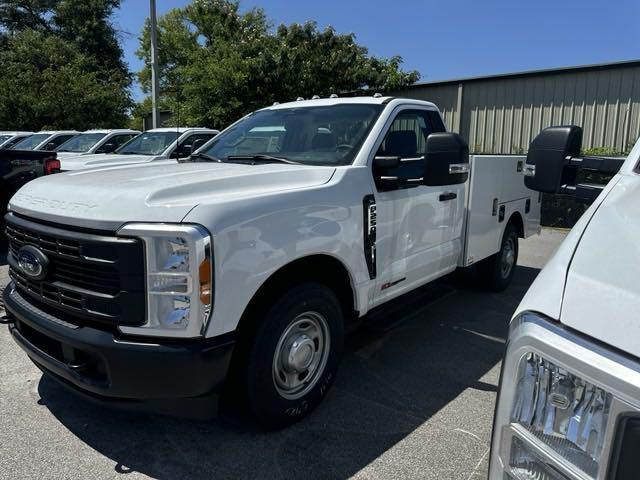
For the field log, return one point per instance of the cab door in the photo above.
(419, 227)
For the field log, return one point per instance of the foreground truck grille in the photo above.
(90, 277)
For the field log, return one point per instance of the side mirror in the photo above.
(51, 146)
(446, 160)
(197, 144)
(386, 181)
(107, 148)
(548, 155)
(385, 163)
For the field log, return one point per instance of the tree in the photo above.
(49, 84)
(74, 48)
(217, 64)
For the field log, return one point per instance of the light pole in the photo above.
(155, 75)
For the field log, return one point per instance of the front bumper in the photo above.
(117, 371)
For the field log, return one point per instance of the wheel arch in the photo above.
(516, 220)
(321, 268)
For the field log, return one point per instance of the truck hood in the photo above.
(107, 198)
(602, 290)
(97, 160)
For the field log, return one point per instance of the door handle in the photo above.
(447, 196)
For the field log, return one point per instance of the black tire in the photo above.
(494, 274)
(273, 404)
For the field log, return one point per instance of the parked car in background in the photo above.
(95, 141)
(161, 286)
(18, 167)
(569, 399)
(9, 139)
(48, 140)
(150, 146)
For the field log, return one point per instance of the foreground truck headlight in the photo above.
(179, 279)
(563, 411)
(560, 401)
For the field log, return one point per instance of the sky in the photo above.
(451, 39)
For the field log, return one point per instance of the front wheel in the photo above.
(294, 355)
(496, 272)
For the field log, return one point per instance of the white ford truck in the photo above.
(157, 144)
(241, 268)
(569, 402)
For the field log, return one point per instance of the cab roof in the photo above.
(326, 102)
(111, 130)
(56, 132)
(181, 129)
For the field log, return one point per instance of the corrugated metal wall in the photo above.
(503, 114)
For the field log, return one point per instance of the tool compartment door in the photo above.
(496, 183)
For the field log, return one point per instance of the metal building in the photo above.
(502, 113)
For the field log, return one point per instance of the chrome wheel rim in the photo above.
(508, 257)
(301, 355)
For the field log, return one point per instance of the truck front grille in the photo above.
(90, 277)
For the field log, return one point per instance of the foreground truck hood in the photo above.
(98, 160)
(602, 289)
(107, 198)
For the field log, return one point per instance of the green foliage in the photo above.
(217, 64)
(48, 84)
(604, 152)
(61, 65)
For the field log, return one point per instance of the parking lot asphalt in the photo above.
(414, 398)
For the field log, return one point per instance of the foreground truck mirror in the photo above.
(446, 160)
(548, 155)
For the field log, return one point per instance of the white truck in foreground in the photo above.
(241, 269)
(157, 144)
(569, 401)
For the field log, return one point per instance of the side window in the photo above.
(406, 139)
(186, 146)
(56, 142)
(11, 143)
(114, 142)
(120, 140)
(436, 122)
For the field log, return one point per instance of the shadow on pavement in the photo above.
(3, 256)
(398, 371)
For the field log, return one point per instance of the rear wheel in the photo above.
(294, 355)
(496, 272)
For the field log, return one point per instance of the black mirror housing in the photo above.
(446, 160)
(385, 163)
(197, 144)
(548, 155)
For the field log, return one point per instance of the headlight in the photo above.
(561, 396)
(179, 279)
(564, 412)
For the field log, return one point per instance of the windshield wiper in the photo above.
(204, 156)
(260, 158)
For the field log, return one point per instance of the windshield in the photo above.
(148, 143)
(4, 138)
(323, 135)
(31, 142)
(81, 143)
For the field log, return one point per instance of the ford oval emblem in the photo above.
(32, 262)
